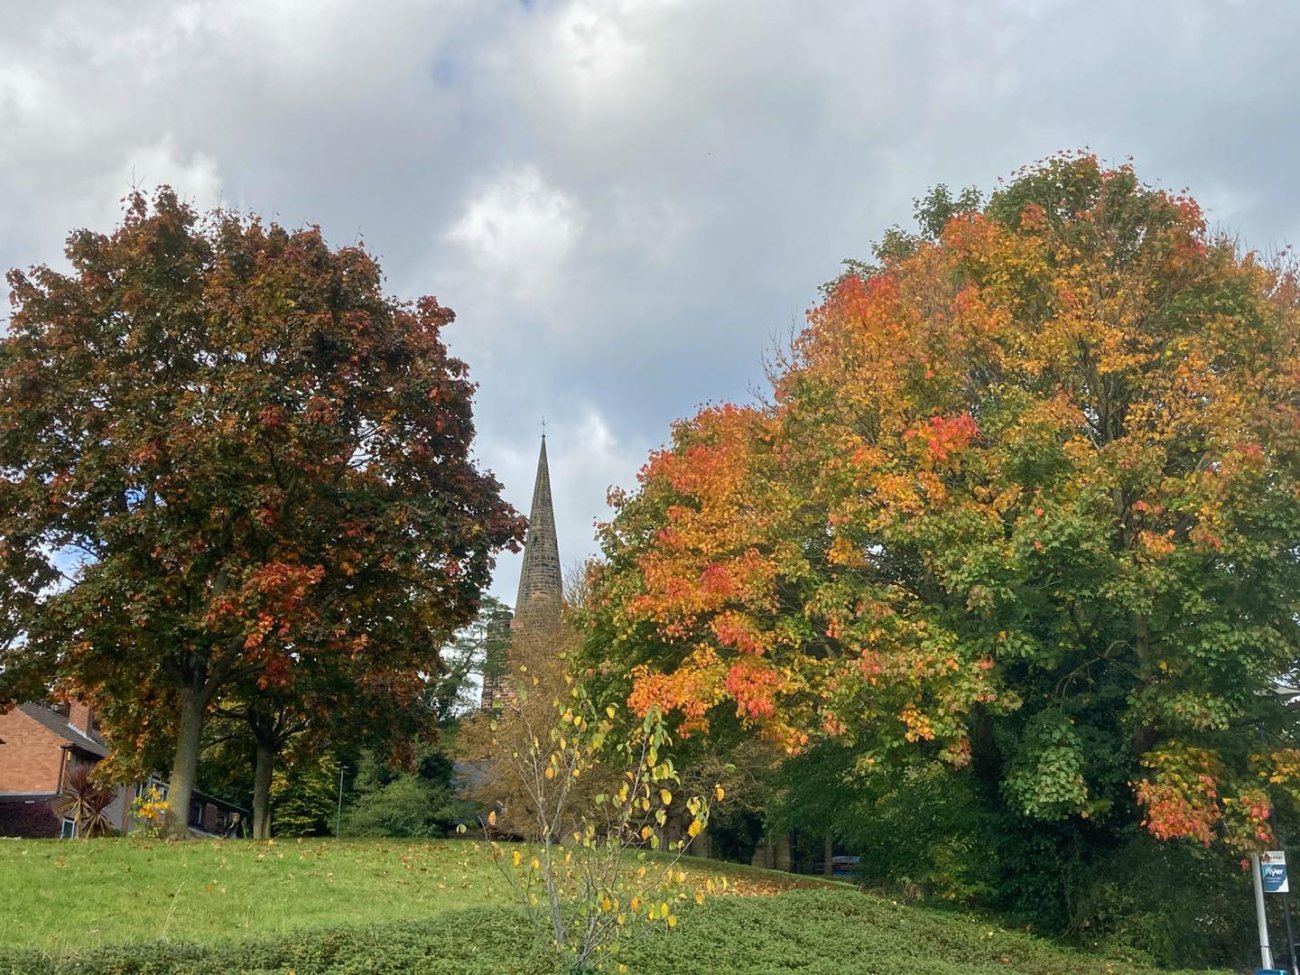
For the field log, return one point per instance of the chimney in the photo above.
(80, 716)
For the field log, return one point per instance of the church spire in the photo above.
(540, 586)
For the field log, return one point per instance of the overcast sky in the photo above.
(626, 202)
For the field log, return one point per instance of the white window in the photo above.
(143, 787)
(68, 828)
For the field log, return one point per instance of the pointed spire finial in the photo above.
(541, 586)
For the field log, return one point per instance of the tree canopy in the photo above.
(1025, 501)
(230, 464)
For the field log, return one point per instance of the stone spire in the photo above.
(541, 588)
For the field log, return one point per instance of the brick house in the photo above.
(41, 746)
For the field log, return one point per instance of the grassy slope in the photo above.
(123, 892)
(202, 891)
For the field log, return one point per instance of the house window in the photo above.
(141, 788)
(68, 828)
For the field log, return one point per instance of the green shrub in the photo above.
(1179, 903)
(817, 932)
(470, 942)
(409, 806)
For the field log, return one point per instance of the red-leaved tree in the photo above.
(228, 460)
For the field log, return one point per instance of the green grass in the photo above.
(382, 908)
(124, 890)
(203, 891)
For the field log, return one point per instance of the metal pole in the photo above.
(338, 813)
(1265, 955)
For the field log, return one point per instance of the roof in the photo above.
(206, 797)
(91, 743)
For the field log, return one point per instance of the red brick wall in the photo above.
(30, 757)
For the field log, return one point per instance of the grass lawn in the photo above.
(204, 891)
(322, 907)
(125, 890)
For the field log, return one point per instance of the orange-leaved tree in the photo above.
(1026, 500)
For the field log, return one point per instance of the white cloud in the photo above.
(517, 230)
(192, 174)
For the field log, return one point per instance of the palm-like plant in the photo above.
(85, 801)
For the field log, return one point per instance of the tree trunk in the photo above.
(781, 852)
(828, 858)
(262, 792)
(185, 763)
(702, 845)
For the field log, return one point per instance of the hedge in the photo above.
(817, 932)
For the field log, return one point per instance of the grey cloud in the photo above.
(623, 201)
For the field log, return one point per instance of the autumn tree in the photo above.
(230, 464)
(536, 667)
(1025, 502)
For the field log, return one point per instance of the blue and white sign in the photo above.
(1272, 868)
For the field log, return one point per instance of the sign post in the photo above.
(1273, 875)
(1272, 866)
(1265, 953)
(1270, 875)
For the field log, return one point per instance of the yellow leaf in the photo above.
(699, 898)
(665, 796)
(719, 792)
(492, 818)
(549, 773)
(672, 920)
(694, 828)
(646, 832)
